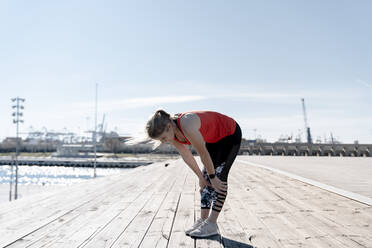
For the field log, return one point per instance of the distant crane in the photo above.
(101, 130)
(307, 128)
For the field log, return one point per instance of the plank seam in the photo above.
(51, 221)
(347, 194)
(175, 212)
(156, 214)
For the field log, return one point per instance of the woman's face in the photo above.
(167, 135)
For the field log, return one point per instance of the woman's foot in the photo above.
(206, 229)
(196, 225)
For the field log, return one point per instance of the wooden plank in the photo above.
(82, 227)
(350, 174)
(52, 206)
(275, 218)
(241, 202)
(160, 229)
(232, 232)
(34, 219)
(331, 206)
(81, 216)
(259, 234)
(108, 235)
(68, 224)
(153, 206)
(293, 194)
(184, 218)
(134, 233)
(111, 232)
(11, 209)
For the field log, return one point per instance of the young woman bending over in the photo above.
(216, 138)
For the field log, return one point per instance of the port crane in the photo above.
(307, 128)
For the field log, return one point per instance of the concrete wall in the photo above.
(304, 149)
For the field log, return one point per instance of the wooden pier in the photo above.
(71, 162)
(151, 206)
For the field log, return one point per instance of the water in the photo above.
(52, 175)
(36, 179)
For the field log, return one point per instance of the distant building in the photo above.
(11, 142)
(74, 150)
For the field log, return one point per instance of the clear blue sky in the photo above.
(252, 60)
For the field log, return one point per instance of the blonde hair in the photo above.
(157, 123)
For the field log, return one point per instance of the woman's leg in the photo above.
(228, 154)
(205, 198)
(204, 213)
(222, 173)
(223, 154)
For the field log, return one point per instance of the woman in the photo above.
(216, 138)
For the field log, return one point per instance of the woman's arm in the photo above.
(190, 124)
(188, 158)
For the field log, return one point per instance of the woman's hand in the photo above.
(219, 185)
(202, 183)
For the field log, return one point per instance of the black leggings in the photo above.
(223, 154)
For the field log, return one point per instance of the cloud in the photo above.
(120, 104)
(77, 108)
(362, 82)
(288, 122)
(146, 101)
(268, 95)
(85, 108)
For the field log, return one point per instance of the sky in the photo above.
(251, 60)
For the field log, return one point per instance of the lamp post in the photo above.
(16, 120)
(95, 134)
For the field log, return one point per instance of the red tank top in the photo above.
(214, 126)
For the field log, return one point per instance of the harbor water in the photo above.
(35, 179)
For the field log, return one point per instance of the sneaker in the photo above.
(196, 225)
(206, 229)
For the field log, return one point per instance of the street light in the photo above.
(95, 134)
(16, 120)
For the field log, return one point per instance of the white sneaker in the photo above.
(206, 229)
(196, 225)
